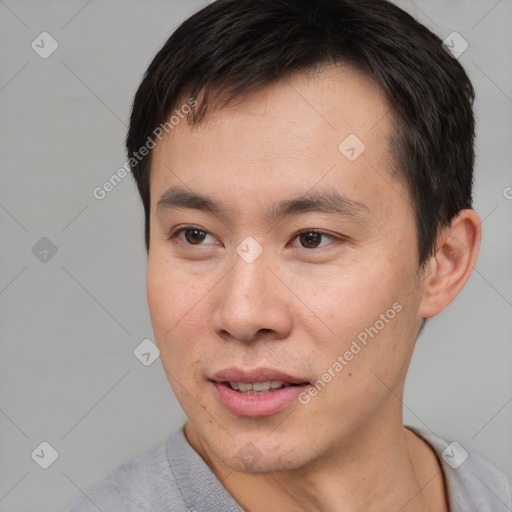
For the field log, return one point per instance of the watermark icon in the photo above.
(44, 45)
(454, 455)
(146, 352)
(456, 249)
(44, 250)
(355, 348)
(351, 147)
(455, 44)
(44, 455)
(249, 454)
(101, 192)
(249, 249)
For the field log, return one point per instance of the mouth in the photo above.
(260, 388)
(257, 392)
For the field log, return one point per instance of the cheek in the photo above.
(348, 298)
(364, 310)
(171, 292)
(175, 309)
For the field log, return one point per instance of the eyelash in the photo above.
(179, 230)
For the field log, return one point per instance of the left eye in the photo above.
(312, 239)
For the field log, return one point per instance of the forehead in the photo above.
(332, 127)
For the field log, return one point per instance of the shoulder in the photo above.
(473, 482)
(103, 496)
(145, 483)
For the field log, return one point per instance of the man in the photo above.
(306, 171)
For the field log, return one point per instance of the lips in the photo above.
(234, 374)
(253, 393)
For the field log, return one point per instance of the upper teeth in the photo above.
(257, 386)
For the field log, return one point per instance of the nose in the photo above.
(252, 303)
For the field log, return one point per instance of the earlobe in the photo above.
(451, 265)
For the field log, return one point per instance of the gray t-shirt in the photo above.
(174, 478)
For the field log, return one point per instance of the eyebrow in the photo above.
(325, 201)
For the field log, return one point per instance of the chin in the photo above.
(259, 453)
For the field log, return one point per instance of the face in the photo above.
(299, 268)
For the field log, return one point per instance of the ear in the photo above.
(449, 268)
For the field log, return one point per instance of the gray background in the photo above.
(69, 324)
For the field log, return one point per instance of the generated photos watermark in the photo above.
(101, 192)
(355, 348)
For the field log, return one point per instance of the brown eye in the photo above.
(313, 239)
(310, 239)
(194, 236)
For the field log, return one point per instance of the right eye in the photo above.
(192, 235)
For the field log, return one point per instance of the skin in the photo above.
(298, 308)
